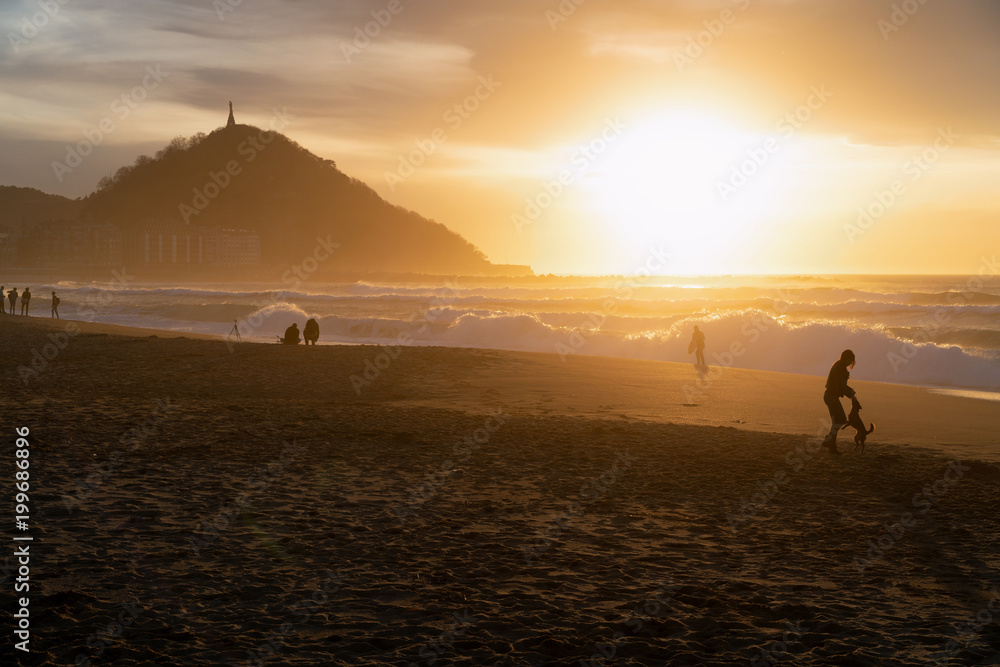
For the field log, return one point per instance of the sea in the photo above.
(936, 331)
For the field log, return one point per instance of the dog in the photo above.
(854, 419)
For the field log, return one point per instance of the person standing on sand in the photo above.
(55, 306)
(25, 300)
(836, 386)
(698, 343)
(12, 297)
(3, 309)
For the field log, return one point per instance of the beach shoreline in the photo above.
(951, 420)
(249, 504)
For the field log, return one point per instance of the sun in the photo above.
(660, 183)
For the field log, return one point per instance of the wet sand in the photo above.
(198, 504)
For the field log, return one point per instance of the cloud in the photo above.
(603, 60)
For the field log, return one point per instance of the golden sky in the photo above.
(740, 136)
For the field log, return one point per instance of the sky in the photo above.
(576, 136)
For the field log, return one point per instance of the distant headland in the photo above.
(241, 202)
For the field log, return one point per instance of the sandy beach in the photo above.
(195, 503)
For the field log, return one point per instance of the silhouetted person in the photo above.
(698, 343)
(25, 300)
(836, 386)
(12, 297)
(3, 309)
(291, 335)
(55, 306)
(311, 333)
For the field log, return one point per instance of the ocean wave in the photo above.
(916, 338)
(751, 339)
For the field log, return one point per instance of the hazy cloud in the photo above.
(891, 87)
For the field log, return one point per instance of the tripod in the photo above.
(235, 330)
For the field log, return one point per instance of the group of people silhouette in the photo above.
(25, 297)
(310, 334)
(836, 388)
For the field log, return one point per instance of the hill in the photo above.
(19, 206)
(241, 177)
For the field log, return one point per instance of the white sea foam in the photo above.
(906, 330)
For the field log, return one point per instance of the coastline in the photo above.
(525, 510)
(100, 328)
(951, 421)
